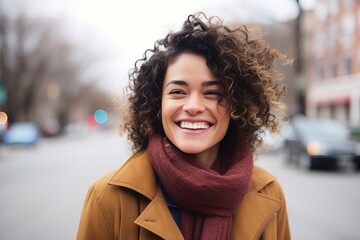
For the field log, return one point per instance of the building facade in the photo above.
(333, 68)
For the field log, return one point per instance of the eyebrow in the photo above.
(204, 84)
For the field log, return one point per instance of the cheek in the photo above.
(224, 116)
(223, 110)
(166, 112)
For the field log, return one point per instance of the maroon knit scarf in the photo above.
(208, 198)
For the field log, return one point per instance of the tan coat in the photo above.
(129, 205)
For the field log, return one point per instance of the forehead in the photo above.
(188, 67)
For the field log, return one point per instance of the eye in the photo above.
(177, 92)
(213, 93)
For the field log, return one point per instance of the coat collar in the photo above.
(157, 218)
(138, 167)
(137, 174)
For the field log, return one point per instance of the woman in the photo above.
(198, 102)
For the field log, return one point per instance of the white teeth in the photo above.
(196, 125)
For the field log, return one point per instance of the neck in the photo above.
(209, 157)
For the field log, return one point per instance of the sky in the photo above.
(120, 31)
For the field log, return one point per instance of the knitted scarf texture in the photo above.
(208, 198)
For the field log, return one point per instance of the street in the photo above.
(43, 189)
(321, 204)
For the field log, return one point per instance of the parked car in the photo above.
(320, 143)
(49, 128)
(22, 133)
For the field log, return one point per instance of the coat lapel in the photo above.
(138, 175)
(157, 219)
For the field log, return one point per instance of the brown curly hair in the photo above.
(237, 56)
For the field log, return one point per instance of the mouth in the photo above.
(194, 125)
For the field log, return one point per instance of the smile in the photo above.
(194, 125)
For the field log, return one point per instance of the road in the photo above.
(321, 204)
(42, 190)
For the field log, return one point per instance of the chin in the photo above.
(193, 149)
(189, 149)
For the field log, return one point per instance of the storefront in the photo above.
(337, 98)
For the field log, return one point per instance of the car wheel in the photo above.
(357, 166)
(304, 162)
(357, 163)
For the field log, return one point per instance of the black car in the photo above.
(320, 144)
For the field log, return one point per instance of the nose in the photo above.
(194, 105)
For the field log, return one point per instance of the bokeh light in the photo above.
(91, 122)
(100, 116)
(3, 118)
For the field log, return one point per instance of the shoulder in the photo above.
(135, 175)
(101, 186)
(122, 188)
(259, 206)
(112, 201)
(101, 195)
(264, 182)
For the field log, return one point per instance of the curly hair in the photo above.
(236, 55)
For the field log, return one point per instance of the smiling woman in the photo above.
(197, 103)
(192, 118)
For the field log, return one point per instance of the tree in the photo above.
(42, 71)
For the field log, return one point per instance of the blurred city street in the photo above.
(43, 188)
(63, 65)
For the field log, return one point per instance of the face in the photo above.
(192, 117)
